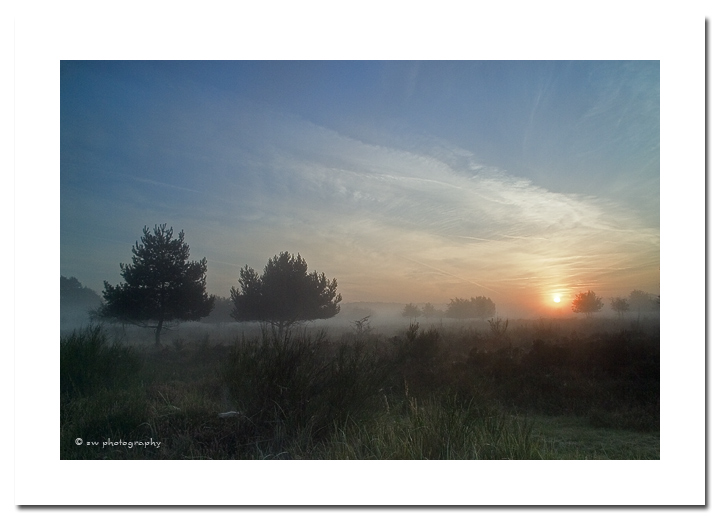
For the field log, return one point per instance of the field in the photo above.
(524, 389)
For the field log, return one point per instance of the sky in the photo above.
(406, 181)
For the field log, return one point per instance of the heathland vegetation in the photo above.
(462, 386)
(516, 390)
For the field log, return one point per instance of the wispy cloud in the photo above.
(161, 184)
(414, 218)
(337, 192)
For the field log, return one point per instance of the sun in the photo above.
(557, 298)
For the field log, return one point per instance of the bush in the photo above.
(298, 385)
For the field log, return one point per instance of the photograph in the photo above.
(360, 260)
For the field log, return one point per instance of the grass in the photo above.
(545, 391)
(573, 438)
(89, 363)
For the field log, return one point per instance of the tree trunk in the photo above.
(157, 333)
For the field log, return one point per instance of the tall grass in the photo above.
(448, 393)
(88, 363)
(301, 385)
(437, 428)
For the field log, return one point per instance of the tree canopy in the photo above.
(411, 311)
(77, 303)
(620, 305)
(429, 311)
(587, 303)
(640, 301)
(477, 307)
(72, 293)
(161, 285)
(284, 294)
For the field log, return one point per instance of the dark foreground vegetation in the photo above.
(525, 390)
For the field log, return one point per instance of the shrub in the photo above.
(296, 384)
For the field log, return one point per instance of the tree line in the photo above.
(161, 285)
(638, 301)
(460, 308)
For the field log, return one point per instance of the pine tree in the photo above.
(285, 293)
(161, 285)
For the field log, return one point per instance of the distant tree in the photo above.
(285, 294)
(429, 311)
(411, 311)
(72, 293)
(619, 305)
(77, 303)
(485, 306)
(640, 301)
(587, 303)
(355, 312)
(477, 307)
(69, 286)
(161, 285)
(221, 312)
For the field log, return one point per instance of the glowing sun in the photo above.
(556, 298)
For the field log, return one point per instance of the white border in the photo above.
(45, 33)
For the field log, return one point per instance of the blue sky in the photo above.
(406, 181)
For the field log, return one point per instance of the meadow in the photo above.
(459, 389)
